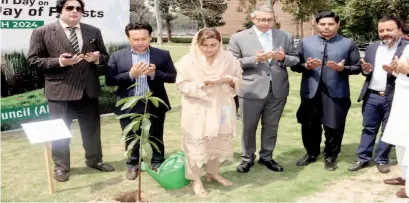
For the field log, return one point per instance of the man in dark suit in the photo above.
(69, 53)
(149, 68)
(326, 61)
(377, 92)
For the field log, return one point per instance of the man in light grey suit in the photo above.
(264, 53)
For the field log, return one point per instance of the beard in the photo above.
(387, 40)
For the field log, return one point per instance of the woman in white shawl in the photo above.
(397, 129)
(208, 77)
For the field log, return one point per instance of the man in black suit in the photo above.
(69, 53)
(150, 68)
(326, 62)
(377, 92)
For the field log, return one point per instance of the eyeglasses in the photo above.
(265, 20)
(70, 8)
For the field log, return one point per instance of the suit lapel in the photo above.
(400, 48)
(152, 59)
(373, 57)
(128, 58)
(62, 37)
(399, 51)
(253, 39)
(86, 38)
(276, 43)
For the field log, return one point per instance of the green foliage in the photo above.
(106, 103)
(167, 9)
(212, 10)
(359, 18)
(301, 10)
(19, 77)
(140, 123)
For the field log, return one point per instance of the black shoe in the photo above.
(61, 175)
(330, 164)
(156, 166)
(307, 159)
(245, 166)
(358, 166)
(132, 173)
(383, 168)
(272, 165)
(102, 167)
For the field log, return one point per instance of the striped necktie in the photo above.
(74, 40)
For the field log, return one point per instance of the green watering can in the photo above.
(171, 174)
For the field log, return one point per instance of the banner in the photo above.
(21, 87)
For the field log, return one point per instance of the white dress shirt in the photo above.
(265, 39)
(384, 56)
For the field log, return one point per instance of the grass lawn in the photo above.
(24, 177)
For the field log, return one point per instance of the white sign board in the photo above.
(20, 17)
(46, 131)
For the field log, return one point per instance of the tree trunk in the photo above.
(297, 29)
(169, 30)
(302, 28)
(202, 15)
(158, 21)
(312, 25)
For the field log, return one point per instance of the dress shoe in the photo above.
(132, 173)
(245, 166)
(156, 166)
(61, 175)
(383, 168)
(358, 166)
(272, 165)
(401, 193)
(102, 167)
(307, 159)
(330, 164)
(395, 181)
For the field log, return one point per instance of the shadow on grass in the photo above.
(101, 185)
(260, 176)
(119, 165)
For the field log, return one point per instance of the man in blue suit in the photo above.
(326, 61)
(149, 68)
(377, 92)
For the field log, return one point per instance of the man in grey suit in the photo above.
(264, 53)
(69, 53)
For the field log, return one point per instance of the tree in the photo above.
(302, 10)
(248, 6)
(168, 12)
(158, 21)
(142, 123)
(139, 12)
(359, 18)
(208, 13)
(400, 9)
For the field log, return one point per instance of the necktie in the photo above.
(266, 42)
(267, 45)
(74, 40)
